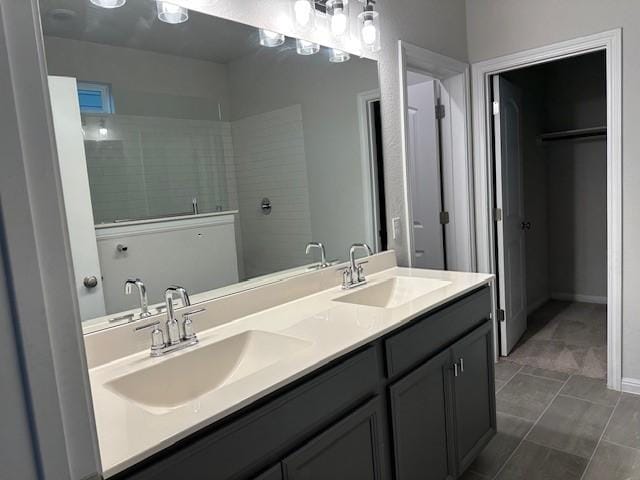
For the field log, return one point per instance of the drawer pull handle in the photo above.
(462, 365)
(455, 369)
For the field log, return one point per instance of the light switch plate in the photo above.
(397, 227)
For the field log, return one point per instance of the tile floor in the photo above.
(569, 337)
(555, 425)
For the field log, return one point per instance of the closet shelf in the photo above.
(571, 134)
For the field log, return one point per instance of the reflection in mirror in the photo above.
(192, 154)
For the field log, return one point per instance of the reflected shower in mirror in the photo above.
(206, 154)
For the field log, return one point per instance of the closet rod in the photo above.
(577, 133)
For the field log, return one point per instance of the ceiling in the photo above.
(136, 25)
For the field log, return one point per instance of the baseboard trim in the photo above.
(532, 307)
(576, 297)
(631, 385)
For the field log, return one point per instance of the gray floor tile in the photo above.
(526, 396)
(469, 475)
(511, 430)
(613, 462)
(572, 426)
(535, 462)
(592, 389)
(506, 370)
(499, 384)
(543, 372)
(624, 427)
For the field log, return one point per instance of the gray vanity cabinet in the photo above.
(351, 449)
(274, 473)
(422, 426)
(443, 412)
(474, 411)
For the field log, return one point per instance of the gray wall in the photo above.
(143, 82)
(576, 98)
(327, 94)
(499, 27)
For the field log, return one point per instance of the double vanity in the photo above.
(303, 379)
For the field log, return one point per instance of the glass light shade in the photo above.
(304, 47)
(171, 13)
(339, 22)
(269, 38)
(338, 56)
(109, 3)
(304, 13)
(369, 30)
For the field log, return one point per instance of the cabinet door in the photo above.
(473, 394)
(349, 450)
(422, 423)
(274, 473)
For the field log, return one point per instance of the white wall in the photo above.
(143, 82)
(270, 163)
(499, 27)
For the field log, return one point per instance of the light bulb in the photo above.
(338, 22)
(302, 9)
(269, 38)
(171, 13)
(103, 131)
(369, 32)
(109, 3)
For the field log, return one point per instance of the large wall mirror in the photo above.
(192, 154)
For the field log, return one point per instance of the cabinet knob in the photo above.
(90, 282)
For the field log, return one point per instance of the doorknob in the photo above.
(525, 225)
(90, 282)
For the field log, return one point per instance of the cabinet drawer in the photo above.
(263, 436)
(431, 334)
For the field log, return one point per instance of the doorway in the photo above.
(489, 215)
(549, 133)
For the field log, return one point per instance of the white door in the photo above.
(424, 173)
(510, 200)
(67, 124)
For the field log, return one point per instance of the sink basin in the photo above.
(183, 377)
(393, 292)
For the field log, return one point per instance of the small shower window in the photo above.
(95, 97)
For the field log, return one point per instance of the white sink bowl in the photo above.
(393, 292)
(183, 377)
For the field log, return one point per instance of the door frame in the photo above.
(368, 163)
(611, 42)
(458, 147)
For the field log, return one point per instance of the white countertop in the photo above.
(127, 433)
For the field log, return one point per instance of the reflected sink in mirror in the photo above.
(393, 292)
(182, 378)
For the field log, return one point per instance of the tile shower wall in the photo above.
(270, 162)
(152, 166)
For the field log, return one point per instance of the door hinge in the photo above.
(496, 108)
(497, 214)
(444, 218)
(500, 315)
(440, 112)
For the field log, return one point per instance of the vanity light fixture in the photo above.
(339, 56)
(304, 47)
(369, 21)
(269, 38)
(108, 3)
(171, 13)
(339, 22)
(304, 12)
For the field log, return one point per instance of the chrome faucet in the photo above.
(353, 275)
(323, 253)
(175, 340)
(142, 293)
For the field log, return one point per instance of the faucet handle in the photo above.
(157, 335)
(187, 323)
